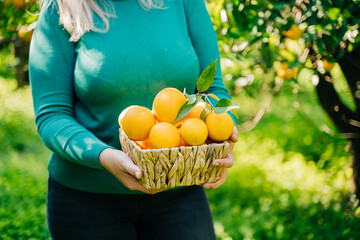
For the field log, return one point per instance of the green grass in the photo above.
(23, 171)
(290, 179)
(273, 194)
(22, 194)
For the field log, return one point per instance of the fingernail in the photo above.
(216, 164)
(137, 175)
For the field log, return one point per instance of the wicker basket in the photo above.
(180, 166)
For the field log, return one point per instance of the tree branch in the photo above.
(4, 42)
(341, 115)
(251, 124)
(350, 65)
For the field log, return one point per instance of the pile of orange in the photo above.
(156, 128)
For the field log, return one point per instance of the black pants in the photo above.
(182, 214)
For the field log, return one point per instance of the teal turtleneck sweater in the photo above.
(80, 88)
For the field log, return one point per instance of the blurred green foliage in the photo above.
(292, 175)
(276, 192)
(14, 14)
(257, 37)
(315, 29)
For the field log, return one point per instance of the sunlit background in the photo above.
(292, 177)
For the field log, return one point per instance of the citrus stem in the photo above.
(208, 103)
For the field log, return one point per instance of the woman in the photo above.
(89, 60)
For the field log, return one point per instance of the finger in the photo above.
(219, 182)
(151, 191)
(223, 162)
(235, 135)
(131, 168)
(134, 185)
(226, 162)
(148, 191)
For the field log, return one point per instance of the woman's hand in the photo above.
(225, 163)
(123, 168)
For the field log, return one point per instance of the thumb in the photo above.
(132, 169)
(235, 135)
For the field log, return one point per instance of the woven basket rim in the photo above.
(173, 148)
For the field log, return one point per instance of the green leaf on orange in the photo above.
(224, 105)
(186, 108)
(191, 98)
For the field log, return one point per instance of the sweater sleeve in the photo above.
(205, 43)
(51, 69)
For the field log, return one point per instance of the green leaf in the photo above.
(186, 108)
(219, 110)
(279, 6)
(207, 77)
(224, 105)
(191, 98)
(287, 55)
(233, 112)
(333, 13)
(293, 64)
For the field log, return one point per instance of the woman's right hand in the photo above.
(123, 168)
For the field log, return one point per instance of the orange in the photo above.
(137, 122)
(180, 122)
(327, 65)
(183, 143)
(7, 3)
(122, 114)
(19, 4)
(197, 109)
(294, 33)
(25, 35)
(194, 113)
(209, 141)
(194, 131)
(285, 73)
(164, 135)
(290, 73)
(167, 104)
(281, 72)
(220, 126)
(144, 144)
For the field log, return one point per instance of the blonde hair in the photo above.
(77, 15)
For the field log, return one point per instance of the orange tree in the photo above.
(17, 21)
(286, 37)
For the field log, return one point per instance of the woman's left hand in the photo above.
(225, 163)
